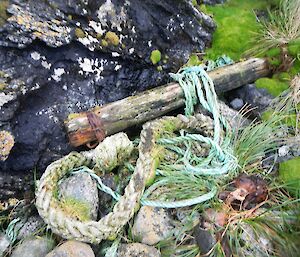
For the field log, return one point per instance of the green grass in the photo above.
(236, 23)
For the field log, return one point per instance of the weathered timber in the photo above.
(137, 109)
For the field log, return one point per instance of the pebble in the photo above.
(34, 247)
(137, 250)
(72, 249)
(237, 103)
(152, 225)
(82, 188)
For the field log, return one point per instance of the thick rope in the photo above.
(117, 149)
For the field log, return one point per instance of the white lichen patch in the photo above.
(5, 98)
(46, 65)
(115, 54)
(89, 41)
(91, 66)
(97, 27)
(107, 12)
(57, 74)
(118, 67)
(35, 56)
(131, 50)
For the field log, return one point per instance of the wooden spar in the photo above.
(117, 116)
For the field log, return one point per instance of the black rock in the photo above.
(61, 57)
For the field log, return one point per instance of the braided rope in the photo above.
(108, 154)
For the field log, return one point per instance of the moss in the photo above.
(3, 14)
(274, 86)
(104, 43)
(236, 22)
(79, 33)
(2, 86)
(289, 172)
(193, 60)
(155, 56)
(112, 38)
(294, 48)
(76, 208)
(159, 68)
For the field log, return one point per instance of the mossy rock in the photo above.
(289, 172)
(274, 86)
(112, 38)
(155, 56)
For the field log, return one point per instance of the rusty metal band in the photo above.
(96, 125)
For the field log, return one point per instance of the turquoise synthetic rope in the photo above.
(196, 84)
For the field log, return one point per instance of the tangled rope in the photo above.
(217, 159)
(108, 154)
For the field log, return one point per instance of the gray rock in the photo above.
(82, 188)
(32, 227)
(72, 249)
(60, 54)
(205, 239)
(4, 244)
(34, 247)
(237, 103)
(137, 250)
(258, 98)
(152, 225)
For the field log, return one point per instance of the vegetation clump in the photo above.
(76, 208)
(155, 56)
(79, 33)
(112, 38)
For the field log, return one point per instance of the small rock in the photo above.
(34, 247)
(256, 97)
(137, 250)
(72, 249)
(82, 188)
(31, 227)
(152, 225)
(205, 239)
(4, 244)
(237, 103)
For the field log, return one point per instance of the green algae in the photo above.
(289, 172)
(155, 56)
(236, 24)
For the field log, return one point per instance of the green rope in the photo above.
(12, 230)
(198, 87)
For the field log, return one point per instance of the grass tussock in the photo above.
(281, 28)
